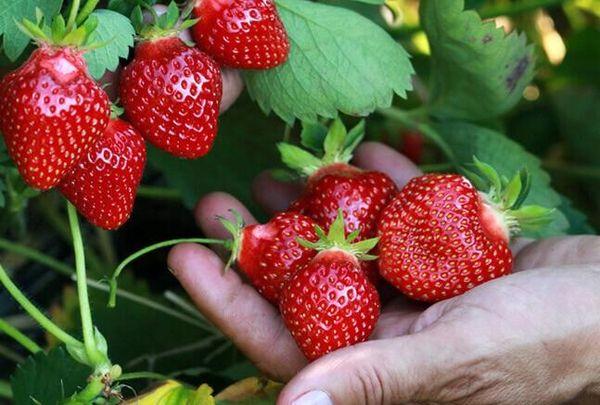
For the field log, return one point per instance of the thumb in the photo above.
(386, 371)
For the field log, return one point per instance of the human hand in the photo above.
(519, 339)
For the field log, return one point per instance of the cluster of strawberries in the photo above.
(57, 122)
(436, 238)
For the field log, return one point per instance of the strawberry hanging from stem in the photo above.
(51, 110)
(171, 91)
(330, 303)
(440, 236)
(333, 184)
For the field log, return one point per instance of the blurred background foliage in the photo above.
(154, 326)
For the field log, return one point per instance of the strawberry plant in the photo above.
(126, 112)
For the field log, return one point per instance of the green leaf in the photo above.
(125, 7)
(245, 146)
(48, 378)
(507, 157)
(117, 32)
(371, 1)
(14, 41)
(338, 60)
(478, 72)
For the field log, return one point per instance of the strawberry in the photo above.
(412, 147)
(103, 185)
(334, 184)
(242, 34)
(330, 303)
(171, 91)
(269, 254)
(441, 237)
(51, 112)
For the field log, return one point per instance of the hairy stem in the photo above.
(34, 312)
(146, 250)
(89, 393)
(19, 337)
(143, 375)
(87, 325)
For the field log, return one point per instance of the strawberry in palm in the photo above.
(51, 111)
(103, 185)
(440, 236)
(334, 184)
(242, 34)
(269, 254)
(330, 303)
(171, 91)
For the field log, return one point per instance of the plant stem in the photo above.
(87, 9)
(148, 249)
(87, 326)
(159, 193)
(411, 120)
(153, 305)
(89, 393)
(146, 375)
(37, 256)
(19, 337)
(11, 355)
(5, 390)
(34, 312)
(73, 15)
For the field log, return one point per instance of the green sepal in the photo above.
(337, 146)
(56, 33)
(167, 24)
(235, 228)
(507, 197)
(336, 238)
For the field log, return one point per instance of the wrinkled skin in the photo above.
(528, 338)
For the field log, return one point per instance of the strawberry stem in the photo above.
(112, 298)
(34, 312)
(19, 337)
(94, 355)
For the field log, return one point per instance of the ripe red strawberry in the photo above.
(333, 184)
(412, 147)
(330, 303)
(269, 254)
(171, 93)
(51, 112)
(441, 237)
(242, 34)
(103, 185)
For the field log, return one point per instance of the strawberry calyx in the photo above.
(169, 24)
(504, 213)
(337, 148)
(235, 228)
(61, 33)
(116, 110)
(336, 239)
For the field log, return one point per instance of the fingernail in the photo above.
(313, 398)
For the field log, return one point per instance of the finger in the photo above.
(274, 195)
(380, 157)
(237, 310)
(376, 372)
(397, 318)
(215, 205)
(232, 88)
(571, 250)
